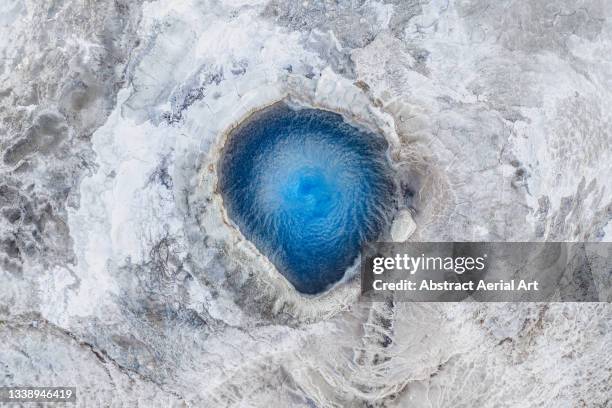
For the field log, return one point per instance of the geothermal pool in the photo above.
(308, 189)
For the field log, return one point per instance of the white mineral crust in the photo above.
(121, 274)
(403, 226)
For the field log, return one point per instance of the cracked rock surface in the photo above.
(119, 274)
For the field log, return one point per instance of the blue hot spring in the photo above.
(308, 189)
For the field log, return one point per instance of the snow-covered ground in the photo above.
(121, 274)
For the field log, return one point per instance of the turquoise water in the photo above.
(308, 189)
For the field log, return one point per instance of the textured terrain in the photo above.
(120, 274)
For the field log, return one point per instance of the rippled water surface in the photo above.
(308, 189)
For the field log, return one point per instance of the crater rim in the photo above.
(354, 120)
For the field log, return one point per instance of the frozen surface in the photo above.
(120, 273)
